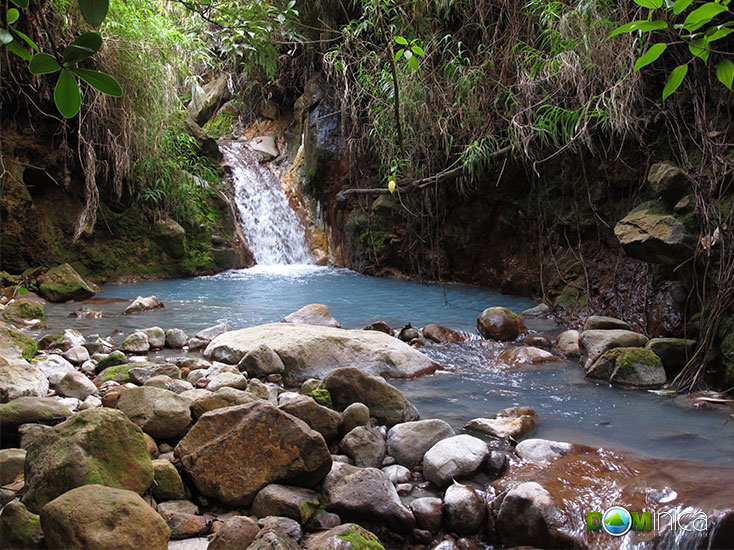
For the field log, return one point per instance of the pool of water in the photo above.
(570, 408)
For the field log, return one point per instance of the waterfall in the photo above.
(273, 230)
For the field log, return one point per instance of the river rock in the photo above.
(380, 326)
(397, 474)
(349, 385)
(182, 518)
(92, 446)
(237, 532)
(568, 344)
(538, 340)
(542, 450)
(428, 512)
(77, 385)
(673, 352)
(140, 304)
(24, 311)
(176, 338)
(141, 374)
(62, 341)
(137, 342)
(454, 457)
(272, 538)
(171, 237)
(668, 182)
(15, 345)
(499, 323)
(76, 355)
(261, 362)
(12, 462)
(63, 283)
(313, 314)
(19, 528)
(227, 380)
(29, 410)
(291, 502)
(516, 356)
(94, 516)
(54, 367)
(600, 322)
(167, 481)
(539, 311)
(356, 414)
(348, 536)
(503, 428)
(113, 359)
(437, 333)
(409, 441)
(596, 342)
(156, 337)
(209, 334)
(309, 351)
(365, 493)
(365, 446)
(120, 374)
(287, 525)
(636, 367)
(261, 390)
(463, 509)
(319, 418)
(528, 516)
(234, 452)
(223, 397)
(160, 413)
(21, 379)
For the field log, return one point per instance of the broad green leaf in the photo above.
(67, 96)
(42, 63)
(717, 34)
(20, 3)
(674, 80)
(102, 81)
(25, 38)
(681, 5)
(651, 4)
(12, 16)
(700, 16)
(399, 53)
(94, 11)
(414, 63)
(400, 40)
(417, 50)
(84, 46)
(644, 26)
(725, 72)
(5, 37)
(699, 48)
(18, 50)
(655, 51)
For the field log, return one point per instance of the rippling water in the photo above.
(570, 408)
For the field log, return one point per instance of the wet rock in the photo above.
(313, 314)
(380, 326)
(140, 375)
(176, 338)
(349, 385)
(312, 351)
(140, 304)
(76, 355)
(273, 539)
(397, 473)
(287, 525)
(356, 414)
(160, 413)
(408, 334)
(409, 441)
(19, 528)
(499, 323)
(223, 397)
(365, 493)
(63, 283)
(29, 410)
(437, 333)
(428, 512)
(21, 379)
(319, 418)
(668, 182)
(349, 536)
(636, 367)
(137, 342)
(232, 453)
(94, 516)
(539, 340)
(77, 385)
(62, 341)
(182, 518)
(211, 333)
(12, 462)
(673, 352)
(290, 502)
(463, 509)
(260, 362)
(503, 428)
(98, 444)
(600, 322)
(497, 462)
(365, 446)
(667, 310)
(237, 532)
(516, 356)
(568, 344)
(596, 342)
(167, 484)
(454, 457)
(156, 337)
(542, 450)
(528, 516)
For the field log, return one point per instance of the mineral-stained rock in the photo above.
(499, 323)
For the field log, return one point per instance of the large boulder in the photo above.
(668, 182)
(500, 323)
(322, 419)
(596, 342)
(283, 501)
(313, 314)
(63, 283)
(260, 362)
(94, 446)
(31, 410)
(19, 528)
(223, 397)
(171, 237)
(21, 379)
(673, 352)
(365, 493)
(232, 453)
(24, 311)
(464, 509)
(160, 413)
(636, 367)
(349, 385)
(409, 441)
(209, 98)
(309, 351)
(454, 457)
(95, 516)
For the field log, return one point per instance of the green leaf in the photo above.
(94, 11)
(699, 48)
(18, 50)
(725, 72)
(42, 63)
(644, 26)
(674, 80)
(67, 96)
(102, 81)
(400, 40)
(717, 34)
(84, 46)
(399, 53)
(651, 4)
(681, 5)
(417, 50)
(655, 51)
(12, 16)
(25, 38)
(20, 3)
(700, 16)
(414, 63)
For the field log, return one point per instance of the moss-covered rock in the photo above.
(114, 359)
(322, 397)
(167, 484)
(348, 536)
(118, 373)
(220, 124)
(171, 237)
(24, 309)
(636, 367)
(15, 344)
(62, 283)
(30, 410)
(19, 528)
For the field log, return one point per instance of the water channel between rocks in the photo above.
(570, 408)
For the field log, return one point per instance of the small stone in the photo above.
(176, 338)
(499, 323)
(156, 337)
(464, 509)
(439, 334)
(291, 502)
(567, 344)
(76, 355)
(237, 532)
(313, 314)
(286, 525)
(397, 474)
(454, 457)
(137, 342)
(260, 362)
(541, 450)
(380, 326)
(77, 385)
(599, 322)
(167, 484)
(365, 446)
(141, 304)
(356, 414)
(211, 333)
(12, 462)
(428, 512)
(409, 441)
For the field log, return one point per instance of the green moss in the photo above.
(24, 309)
(322, 397)
(568, 298)
(359, 541)
(25, 344)
(627, 358)
(219, 125)
(118, 373)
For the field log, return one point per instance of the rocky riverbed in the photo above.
(290, 435)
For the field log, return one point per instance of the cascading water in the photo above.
(272, 228)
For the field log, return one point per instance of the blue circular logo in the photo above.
(616, 521)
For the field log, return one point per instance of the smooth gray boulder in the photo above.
(77, 385)
(454, 457)
(409, 441)
(365, 446)
(160, 413)
(464, 509)
(596, 342)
